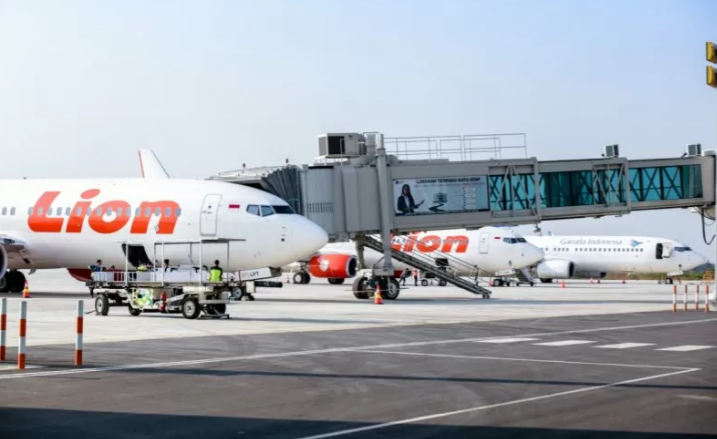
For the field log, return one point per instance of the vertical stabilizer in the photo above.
(150, 165)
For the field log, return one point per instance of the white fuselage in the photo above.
(604, 254)
(68, 223)
(489, 249)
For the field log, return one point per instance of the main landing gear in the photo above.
(364, 287)
(12, 282)
(667, 281)
(301, 278)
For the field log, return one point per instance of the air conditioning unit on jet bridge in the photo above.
(342, 145)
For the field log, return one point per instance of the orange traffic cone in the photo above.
(377, 297)
(562, 284)
(26, 291)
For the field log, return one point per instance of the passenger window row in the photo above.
(595, 249)
(138, 212)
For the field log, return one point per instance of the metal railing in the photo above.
(458, 147)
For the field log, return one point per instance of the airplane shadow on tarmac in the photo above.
(71, 424)
(385, 377)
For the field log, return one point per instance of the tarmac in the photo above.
(310, 361)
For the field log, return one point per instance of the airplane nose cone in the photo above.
(534, 255)
(307, 238)
(697, 260)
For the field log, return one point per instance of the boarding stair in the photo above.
(428, 264)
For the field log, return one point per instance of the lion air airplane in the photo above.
(595, 256)
(491, 249)
(71, 223)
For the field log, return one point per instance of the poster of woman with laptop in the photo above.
(445, 195)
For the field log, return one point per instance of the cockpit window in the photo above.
(283, 210)
(266, 211)
(510, 240)
(682, 249)
(253, 210)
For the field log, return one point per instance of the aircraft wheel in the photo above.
(4, 284)
(190, 308)
(298, 277)
(669, 281)
(359, 288)
(442, 283)
(393, 290)
(424, 283)
(546, 281)
(497, 283)
(238, 293)
(134, 312)
(336, 280)
(16, 281)
(102, 305)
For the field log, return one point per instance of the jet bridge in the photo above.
(355, 188)
(343, 196)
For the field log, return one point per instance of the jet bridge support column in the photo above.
(359, 252)
(384, 207)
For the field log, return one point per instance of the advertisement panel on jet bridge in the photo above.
(435, 195)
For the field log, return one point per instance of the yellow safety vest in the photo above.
(215, 275)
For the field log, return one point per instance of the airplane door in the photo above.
(483, 241)
(208, 220)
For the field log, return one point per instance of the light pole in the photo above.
(711, 56)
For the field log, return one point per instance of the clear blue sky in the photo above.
(210, 85)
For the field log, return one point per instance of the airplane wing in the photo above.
(150, 165)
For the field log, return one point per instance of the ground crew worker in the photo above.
(98, 267)
(406, 273)
(415, 276)
(95, 268)
(215, 274)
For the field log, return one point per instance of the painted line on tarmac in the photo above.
(526, 360)
(493, 406)
(327, 351)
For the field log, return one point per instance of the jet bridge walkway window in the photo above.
(595, 187)
(665, 183)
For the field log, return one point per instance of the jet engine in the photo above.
(336, 266)
(3, 261)
(555, 269)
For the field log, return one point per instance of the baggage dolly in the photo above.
(184, 289)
